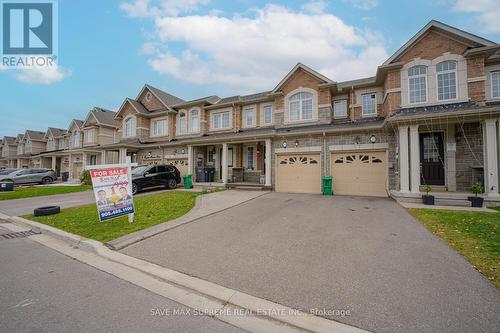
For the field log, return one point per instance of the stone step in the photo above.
(452, 202)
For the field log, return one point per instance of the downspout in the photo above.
(352, 103)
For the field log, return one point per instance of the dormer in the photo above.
(99, 127)
(74, 134)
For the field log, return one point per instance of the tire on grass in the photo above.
(47, 210)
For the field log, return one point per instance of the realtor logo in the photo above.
(29, 28)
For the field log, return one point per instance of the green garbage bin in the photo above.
(188, 181)
(326, 187)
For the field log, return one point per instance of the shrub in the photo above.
(85, 178)
(426, 189)
(476, 188)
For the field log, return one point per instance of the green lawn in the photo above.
(38, 191)
(475, 235)
(150, 210)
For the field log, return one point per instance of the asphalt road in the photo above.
(366, 257)
(44, 291)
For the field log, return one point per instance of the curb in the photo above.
(259, 308)
(130, 239)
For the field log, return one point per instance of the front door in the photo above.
(432, 158)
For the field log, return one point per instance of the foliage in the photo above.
(476, 188)
(426, 188)
(38, 191)
(85, 178)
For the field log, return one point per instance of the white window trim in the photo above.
(86, 135)
(178, 123)
(491, 84)
(134, 126)
(426, 84)
(253, 109)
(245, 156)
(190, 127)
(314, 106)
(445, 72)
(213, 113)
(73, 136)
(151, 130)
(367, 115)
(346, 109)
(262, 115)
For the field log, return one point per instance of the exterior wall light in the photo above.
(284, 144)
(296, 143)
(357, 140)
(373, 139)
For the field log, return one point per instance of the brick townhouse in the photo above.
(429, 116)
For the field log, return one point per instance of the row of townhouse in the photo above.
(429, 116)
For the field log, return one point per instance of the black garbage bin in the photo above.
(6, 186)
(65, 176)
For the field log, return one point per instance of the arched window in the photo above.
(129, 127)
(446, 72)
(182, 123)
(194, 120)
(417, 84)
(300, 106)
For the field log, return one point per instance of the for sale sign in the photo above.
(113, 191)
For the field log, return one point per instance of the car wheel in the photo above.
(135, 188)
(171, 183)
(48, 210)
(46, 180)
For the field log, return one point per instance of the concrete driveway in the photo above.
(361, 261)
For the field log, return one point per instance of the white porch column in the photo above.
(190, 160)
(103, 157)
(490, 157)
(70, 166)
(54, 159)
(268, 162)
(414, 159)
(404, 174)
(84, 160)
(224, 163)
(122, 155)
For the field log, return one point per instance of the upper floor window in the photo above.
(340, 108)
(249, 116)
(76, 139)
(267, 115)
(495, 84)
(51, 144)
(446, 80)
(301, 106)
(129, 127)
(369, 104)
(20, 149)
(182, 123)
(221, 120)
(160, 127)
(194, 120)
(417, 84)
(89, 136)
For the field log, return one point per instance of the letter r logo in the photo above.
(27, 28)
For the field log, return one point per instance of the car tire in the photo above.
(47, 210)
(46, 180)
(135, 188)
(171, 183)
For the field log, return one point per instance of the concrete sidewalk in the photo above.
(466, 209)
(206, 205)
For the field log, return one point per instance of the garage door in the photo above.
(181, 165)
(299, 173)
(359, 173)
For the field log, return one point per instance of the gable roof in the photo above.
(103, 117)
(19, 138)
(35, 135)
(77, 122)
(10, 140)
(299, 65)
(465, 36)
(56, 132)
(205, 100)
(165, 98)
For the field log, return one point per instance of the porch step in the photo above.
(440, 198)
(249, 187)
(452, 202)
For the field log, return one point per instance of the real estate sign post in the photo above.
(112, 185)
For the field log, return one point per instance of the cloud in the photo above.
(252, 53)
(43, 75)
(151, 8)
(487, 13)
(363, 4)
(315, 7)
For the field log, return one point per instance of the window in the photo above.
(93, 160)
(182, 123)
(194, 121)
(76, 139)
(249, 116)
(230, 157)
(495, 84)
(267, 115)
(447, 80)
(340, 108)
(89, 136)
(369, 104)
(300, 106)
(250, 158)
(211, 156)
(160, 127)
(129, 127)
(51, 145)
(417, 84)
(220, 120)
(149, 97)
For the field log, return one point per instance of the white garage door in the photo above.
(181, 165)
(299, 173)
(359, 173)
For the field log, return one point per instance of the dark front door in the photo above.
(432, 158)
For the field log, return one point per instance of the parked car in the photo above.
(30, 175)
(6, 171)
(147, 176)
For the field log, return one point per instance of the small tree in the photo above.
(426, 189)
(85, 178)
(476, 188)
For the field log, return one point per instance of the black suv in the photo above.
(146, 176)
